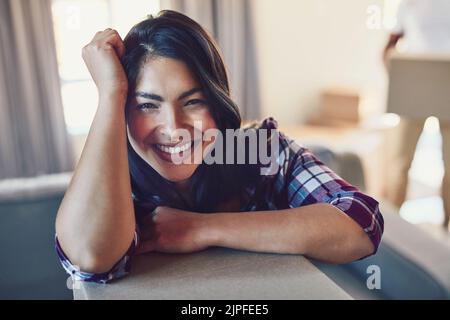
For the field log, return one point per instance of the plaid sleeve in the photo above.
(309, 181)
(120, 269)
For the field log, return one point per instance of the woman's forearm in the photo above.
(319, 231)
(95, 223)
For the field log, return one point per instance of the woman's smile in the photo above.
(175, 152)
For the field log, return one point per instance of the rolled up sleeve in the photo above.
(364, 210)
(119, 270)
(309, 181)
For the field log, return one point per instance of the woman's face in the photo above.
(168, 98)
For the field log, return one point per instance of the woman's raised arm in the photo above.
(95, 223)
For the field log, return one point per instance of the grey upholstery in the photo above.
(345, 164)
(29, 266)
(413, 264)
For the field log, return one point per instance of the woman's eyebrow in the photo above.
(189, 93)
(156, 97)
(148, 95)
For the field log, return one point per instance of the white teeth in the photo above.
(172, 150)
(185, 147)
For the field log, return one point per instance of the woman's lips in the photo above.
(174, 149)
(171, 153)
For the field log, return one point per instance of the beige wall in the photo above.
(306, 45)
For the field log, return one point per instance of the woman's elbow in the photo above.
(367, 247)
(94, 264)
(85, 259)
(360, 246)
(90, 253)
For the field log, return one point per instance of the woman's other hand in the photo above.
(102, 57)
(173, 230)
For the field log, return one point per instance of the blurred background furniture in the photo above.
(418, 85)
(30, 268)
(338, 107)
(413, 264)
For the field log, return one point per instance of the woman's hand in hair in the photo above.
(174, 231)
(102, 57)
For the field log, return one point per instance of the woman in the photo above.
(167, 76)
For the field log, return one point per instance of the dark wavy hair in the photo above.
(174, 35)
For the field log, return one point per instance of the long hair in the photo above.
(174, 35)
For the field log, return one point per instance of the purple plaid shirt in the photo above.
(302, 179)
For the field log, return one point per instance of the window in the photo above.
(75, 23)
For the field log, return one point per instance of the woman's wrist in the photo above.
(208, 234)
(113, 94)
(112, 102)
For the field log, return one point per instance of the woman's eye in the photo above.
(146, 106)
(195, 102)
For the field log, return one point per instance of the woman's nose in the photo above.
(169, 125)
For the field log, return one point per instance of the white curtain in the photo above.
(33, 136)
(230, 22)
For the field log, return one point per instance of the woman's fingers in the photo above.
(113, 38)
(102, 57)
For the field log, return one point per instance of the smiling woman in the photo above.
(177, 79)
(166, 76)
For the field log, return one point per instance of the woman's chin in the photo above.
(177, 173)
